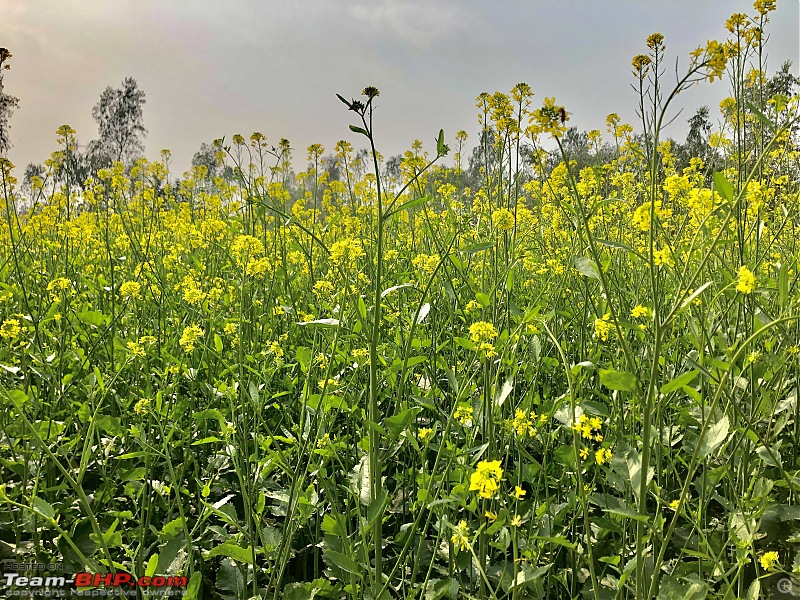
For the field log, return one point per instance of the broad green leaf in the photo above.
(723, 186)
(43, 508)
(714, 437)
(692, 296)
(628, 513)
(618, 380)
(618, 245)
(398, 423)
(407, 206)
(344, 562)
(231, 550)
(679, 381)
(474, 248)
(152, 563)
(440, 146)
(193, 589)
(587, 267)
(357, 129)
(483, 299)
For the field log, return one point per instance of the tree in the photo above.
(206, 157)
(119, 120)
(7, 103)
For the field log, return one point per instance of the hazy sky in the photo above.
(217, 68)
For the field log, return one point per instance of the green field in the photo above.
(506, 372)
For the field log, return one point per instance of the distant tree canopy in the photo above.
(120, 123)
(7, 103)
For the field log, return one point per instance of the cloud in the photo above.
(419, 23)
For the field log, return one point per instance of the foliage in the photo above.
(564, 380)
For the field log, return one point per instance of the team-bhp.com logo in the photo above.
(91, 584)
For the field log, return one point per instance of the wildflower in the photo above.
(486, 349)
(327, 383)
(324, 441)
(523, 423)
(10, 329)
(747, 281)
(482, 331)
(230, 428)
(56, 286)
(142, 407)
(424, 434)
(503, 219)
(584, 453)
(518, 493)
(229, 328)
(323, 288)
(675, 504)
(768, 560)
(345, 252)
(491, 516)
(463, 414)
(190, 337)
(639, 311)
(245, 247)
(130, 289)
(460, 537)
(602, 327)
(486, 478)
(641, 64)
(516, 521)
(471, 306)
(603, 455)
(135, 350)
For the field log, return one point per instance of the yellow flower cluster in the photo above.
(486, 479)
(346, 252)
(10, 329)
(503, 219)
(603, 327)
(747, 281)
(190, 337)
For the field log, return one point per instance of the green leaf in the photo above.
(715, 436)
(587, 267)
(407, 206)
(618, 245)
(723, 186)
(41, 507)
(628, 513)
(783, 285)
(152, 563)
(618, 380)
(761, 116)
(217, 343)
(92, 317)
(483, 299)
(344, 562)
(398, 423)
(357, 129)
(692, 296)
(479, 247)
(672, 588)
(441, 149)
(231, 550)
(194, 586)
(679, 381)
(465, 343)
(346, 102)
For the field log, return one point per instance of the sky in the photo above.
(213, 69)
